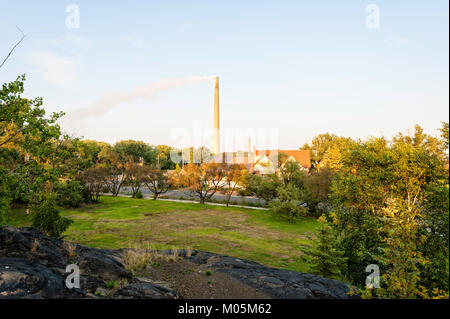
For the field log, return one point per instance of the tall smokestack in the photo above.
(216, 130)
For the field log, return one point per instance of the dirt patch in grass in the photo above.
(201, 218)
(199, 282)
(223, 226)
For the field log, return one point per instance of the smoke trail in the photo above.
(148, 91)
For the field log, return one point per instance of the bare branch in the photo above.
(23, 37)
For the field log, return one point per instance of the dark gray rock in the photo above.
(33, 265)
(145, 290)
(276, 283)
(20, 279)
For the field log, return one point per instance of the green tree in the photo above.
(136, 152)
(318, 189)
(445, 134)
(326, 258)
(380, 196)
(445, 141)
(435, 232)
(69, 193)
(89, 152)
(163, 160)
(27, 138)
(327, 150)
(291, 173)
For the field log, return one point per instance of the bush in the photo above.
(137, 259)
(70, 193)
(45, 217)
(112, 284)
(289, 209)
(245, 192)
(139, 195)
(289, 203)
(265, 187)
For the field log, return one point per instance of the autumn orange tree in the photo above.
(118, 175)
(136, 175)
(94, 180)
(233, 176)
(204, 180)
(157, 181)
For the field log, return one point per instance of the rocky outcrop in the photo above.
(276, 283)
(34, 266)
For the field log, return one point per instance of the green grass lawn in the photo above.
(257, 235)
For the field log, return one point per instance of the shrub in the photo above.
(174, 256)
(289, 204)
(143, 255)
(71, 249)
(264, 187)
(100, 292)
(34, 245)
(137, 259)
(245, 192)
(70, 193)
(139, 195)
(45, 217)
(289, 209)
(112, 284)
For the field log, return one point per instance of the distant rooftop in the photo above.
(303, 157)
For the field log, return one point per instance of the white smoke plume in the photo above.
(148, 91)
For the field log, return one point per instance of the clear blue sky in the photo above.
(304, 67)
